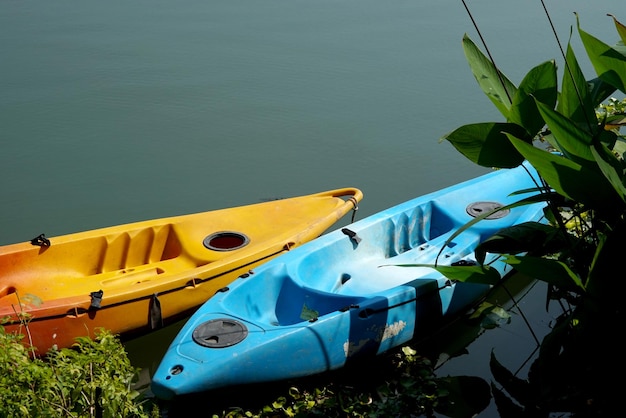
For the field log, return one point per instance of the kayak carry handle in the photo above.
(96, 299)
(352, 235)
(354, 199)
(40, 241)
(355, 195)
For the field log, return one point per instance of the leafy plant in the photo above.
(572, 139)
(93, 379)
(579, 156)
(410, 388)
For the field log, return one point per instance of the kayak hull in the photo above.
(133, 278)
(344, 296)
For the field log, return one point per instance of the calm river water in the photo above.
(118, 111)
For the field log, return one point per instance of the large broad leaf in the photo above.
(575, 101)
(467, 273)
(540, 83)
(485, 143)
(551, 271)
(569, 178)
(599, 91)
(610, 64)
(572, 141)
(522, 238)
(494, 84)
(611, 167)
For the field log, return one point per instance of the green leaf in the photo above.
(610, 64)
(551, 271)
(621, 29)
(575, 101)
(522, 238)
(569, 178)
(494, 317)
(498, 88)
(408, 351)
(611, 167)
(479, 274)
(572, 141)
(540, 83)
(620, 147)
(279, 403)
(599, 91)
(485, 143)
(30, 299)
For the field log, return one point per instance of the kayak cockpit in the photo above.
(78, 264)
(298, 303)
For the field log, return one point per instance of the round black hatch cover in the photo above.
(225, 241)
(219, 333)
(479, 208)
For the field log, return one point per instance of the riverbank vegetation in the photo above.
(92, 379)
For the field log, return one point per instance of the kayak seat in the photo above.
(140, 247)
(297, 303)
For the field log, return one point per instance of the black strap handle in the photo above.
(40, 241)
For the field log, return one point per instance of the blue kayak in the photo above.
(347, 294)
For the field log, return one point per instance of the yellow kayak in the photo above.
(136, 277)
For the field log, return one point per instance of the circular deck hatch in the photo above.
(219, 333)
(225, 241)
(477, 209)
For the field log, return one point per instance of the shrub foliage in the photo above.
(92, 379)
